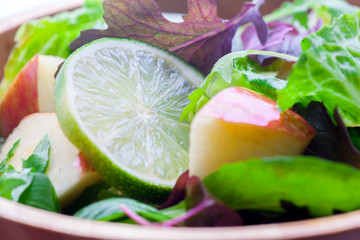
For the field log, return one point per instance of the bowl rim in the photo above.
(72, 226)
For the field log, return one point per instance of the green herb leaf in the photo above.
(109, 210)
(13, 184)
(261, 184)
(328, 71)
(40, 193)
(8, 156)
(234, 69)
(29, 186)
(39, 160)
(50, 36)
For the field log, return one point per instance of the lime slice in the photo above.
(119, 101)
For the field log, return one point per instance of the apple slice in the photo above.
(67, 170)
(31, 91)
(238, 124)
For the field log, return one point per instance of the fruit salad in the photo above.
(112, 112)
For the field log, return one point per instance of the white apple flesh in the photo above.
(238, 124)
(67, 170)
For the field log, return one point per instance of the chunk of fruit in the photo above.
(31, 91)
(67, 170)
(238, 124)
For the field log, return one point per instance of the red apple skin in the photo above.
(31, 91)
(259, 110)
(21, 97)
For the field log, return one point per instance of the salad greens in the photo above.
(298, 180)
(329, 70)
(50, 36)
(299, 10)
(30, 186)
(332, 140)
(323, 86)
(235, 69)
(193, 40)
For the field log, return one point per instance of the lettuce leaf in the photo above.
(201, 39)
(328, 70)
(50, 36)
(324, 187)
(234, 69)
(299, 10)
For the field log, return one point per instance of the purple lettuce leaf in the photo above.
(214, 214)
(332, 141)
(282, 38)
(178, 193)
(201, 39)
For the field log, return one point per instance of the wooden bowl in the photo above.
(21, 222)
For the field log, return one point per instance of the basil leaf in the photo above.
(328, 71)
(30, 186)
(13, 184)
(39, 160)
(40, 193)
(8, 156)
(261, 184)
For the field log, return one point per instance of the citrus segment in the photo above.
(119, 101)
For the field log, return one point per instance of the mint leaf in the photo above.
(39, 160)
(262, 184)
(328, 70)
(201, 39)
(234, 69)
(50, 36)
(8, 156)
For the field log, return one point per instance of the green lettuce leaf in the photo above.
(299, 10)
(324, 187)
(328, 70)
(234, 69)
(50, 36)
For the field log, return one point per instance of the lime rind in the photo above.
(111, 130)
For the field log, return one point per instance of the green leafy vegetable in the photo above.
(8, 156)
(261, 184)
(40, 193)
(38, 161)
(201, 39)
(30, 186)
(50, 36)
(328, 70)
(299, 10)
(332, 140)
(355, 136)
(234, 69)
(109, 210)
